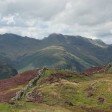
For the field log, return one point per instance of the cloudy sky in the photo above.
(39, 18)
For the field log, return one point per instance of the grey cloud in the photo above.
(39, 18)
(87, 12)
(44, 9)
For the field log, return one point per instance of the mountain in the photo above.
(14, 46)
(50, 90)
(56, 50)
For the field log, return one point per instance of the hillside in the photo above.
(53, 56)
(56, 50)
(9, 86)
(57, 91)
(6, 70)
(14, 46)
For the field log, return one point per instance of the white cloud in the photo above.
(3, 30)
(8, 20)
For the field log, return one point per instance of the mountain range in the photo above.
(57, 50)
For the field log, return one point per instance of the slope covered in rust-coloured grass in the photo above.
(98, 69)
(9, 87)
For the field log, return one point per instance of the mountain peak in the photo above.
(55, 35)
(9, 34)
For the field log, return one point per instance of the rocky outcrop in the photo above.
(31, 84)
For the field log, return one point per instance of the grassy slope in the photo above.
(73, 93)
(110, 70)
(53, 56)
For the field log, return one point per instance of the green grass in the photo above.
(69, 94)
(4, 107)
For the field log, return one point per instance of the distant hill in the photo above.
(56, 50)
(7, 71)
(14, 46)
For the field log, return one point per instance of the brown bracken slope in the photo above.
(9, 87)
